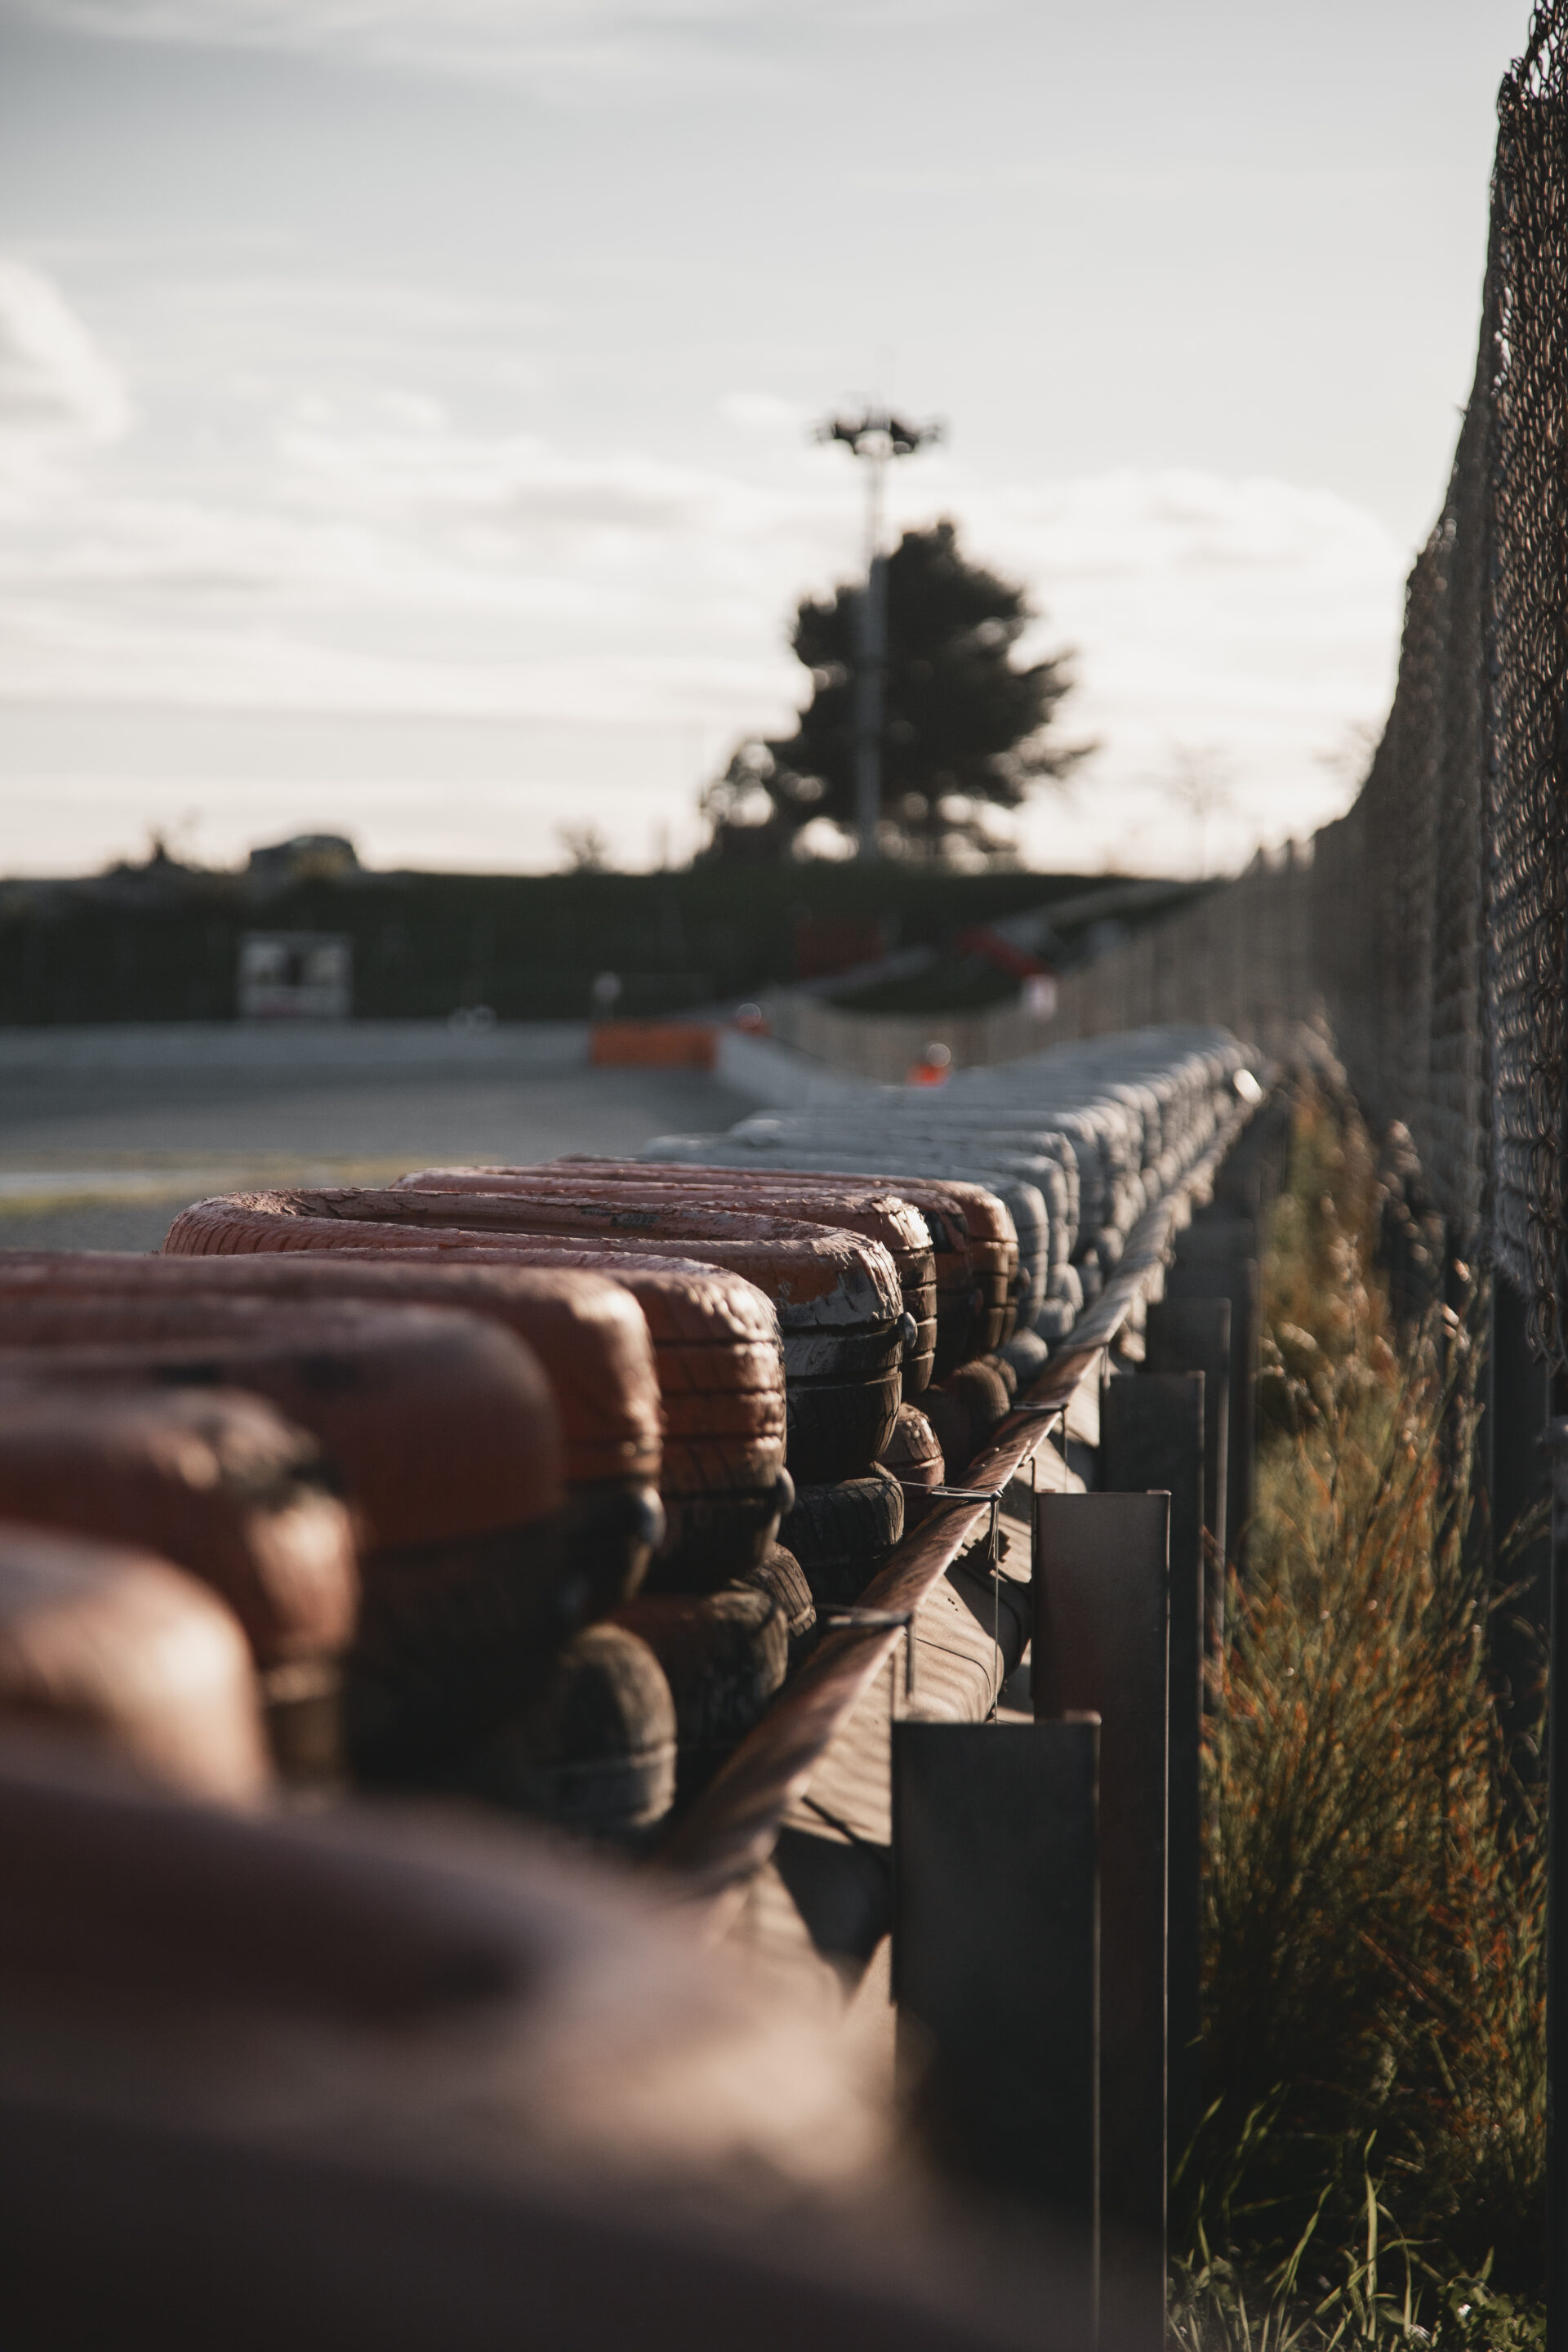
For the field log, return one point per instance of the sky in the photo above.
(406, 405)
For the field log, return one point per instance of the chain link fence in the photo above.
(1429, 924)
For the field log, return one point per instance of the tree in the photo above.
(967, 732)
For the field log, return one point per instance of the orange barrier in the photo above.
(653, 1046)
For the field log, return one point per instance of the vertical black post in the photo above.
(1215, 1258)
(1151, 1439)
(1557, 1903)
(1101, 1646)
(1193, 1335)
(997, 1968)
(1519, 1407)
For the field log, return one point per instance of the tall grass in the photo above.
(1371, 2162)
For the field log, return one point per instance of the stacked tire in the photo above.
(844, 1387)
(498, 1509)
(534, 1484)
(1078, 1142)
(845, 1313)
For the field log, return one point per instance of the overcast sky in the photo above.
(405, 403)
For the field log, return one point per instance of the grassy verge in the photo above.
(1371, 2163)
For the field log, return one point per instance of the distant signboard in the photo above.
(295, 976)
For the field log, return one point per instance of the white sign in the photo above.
(295, 976)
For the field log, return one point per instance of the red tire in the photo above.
(445, 1435)
(877, 1216)
(114, 1642)
(216, 1482)
(589, 1335)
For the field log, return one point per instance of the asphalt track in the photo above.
(103, 1160)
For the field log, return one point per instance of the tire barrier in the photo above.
(444, 1435)
(714, 1338)
(595, 1751)
(877, 1216)
(842, 1534)
(1078, 1142)
(780, 1575)
(589, 1335)
(837, 1297)
(723, 1655)
(111, 1641)
(219, 1485)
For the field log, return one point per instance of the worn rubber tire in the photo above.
(453, 1638)
(837, 1428)
(842, 1534)
(963, 1409)
(780, 1575)
(820, 1279)
(724, 1655)
(613, 1529)
(715, 1534)
(913, 1457)
(596, 1752)
(590, 1334)
(1028, 1354)
(214, 1481)
(875, 1212)
(108, 1640)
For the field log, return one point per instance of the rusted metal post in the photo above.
(1102, 1645)
(997, 1968)
(1152, 1440)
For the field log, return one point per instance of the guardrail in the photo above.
(1054, 1854)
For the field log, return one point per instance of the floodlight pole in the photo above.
(870, 669)
(877, 435)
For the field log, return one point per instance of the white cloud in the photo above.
(764, 413)
(386, 561)
(54, 382)
(563, 49)
(1248, 624)
(370, 550)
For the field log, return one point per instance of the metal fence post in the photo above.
(1557, 1903)
(1151, 1439)
(1193, 1335)
(997, 1968)
(1518, 1412)
(1102, 1645)
(1215, 1259)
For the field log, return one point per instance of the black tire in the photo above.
(842, 1534)
(595, 1753)
(1028, 1354)
(913, 1457)
(723, 1655)
(837, 1428)
(963, 1409)
(453, 1638)
(612, 1532)
(712, 1539)
(780, 1575)
(961, 1327)
(833, 1355)
(1066, 1288)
